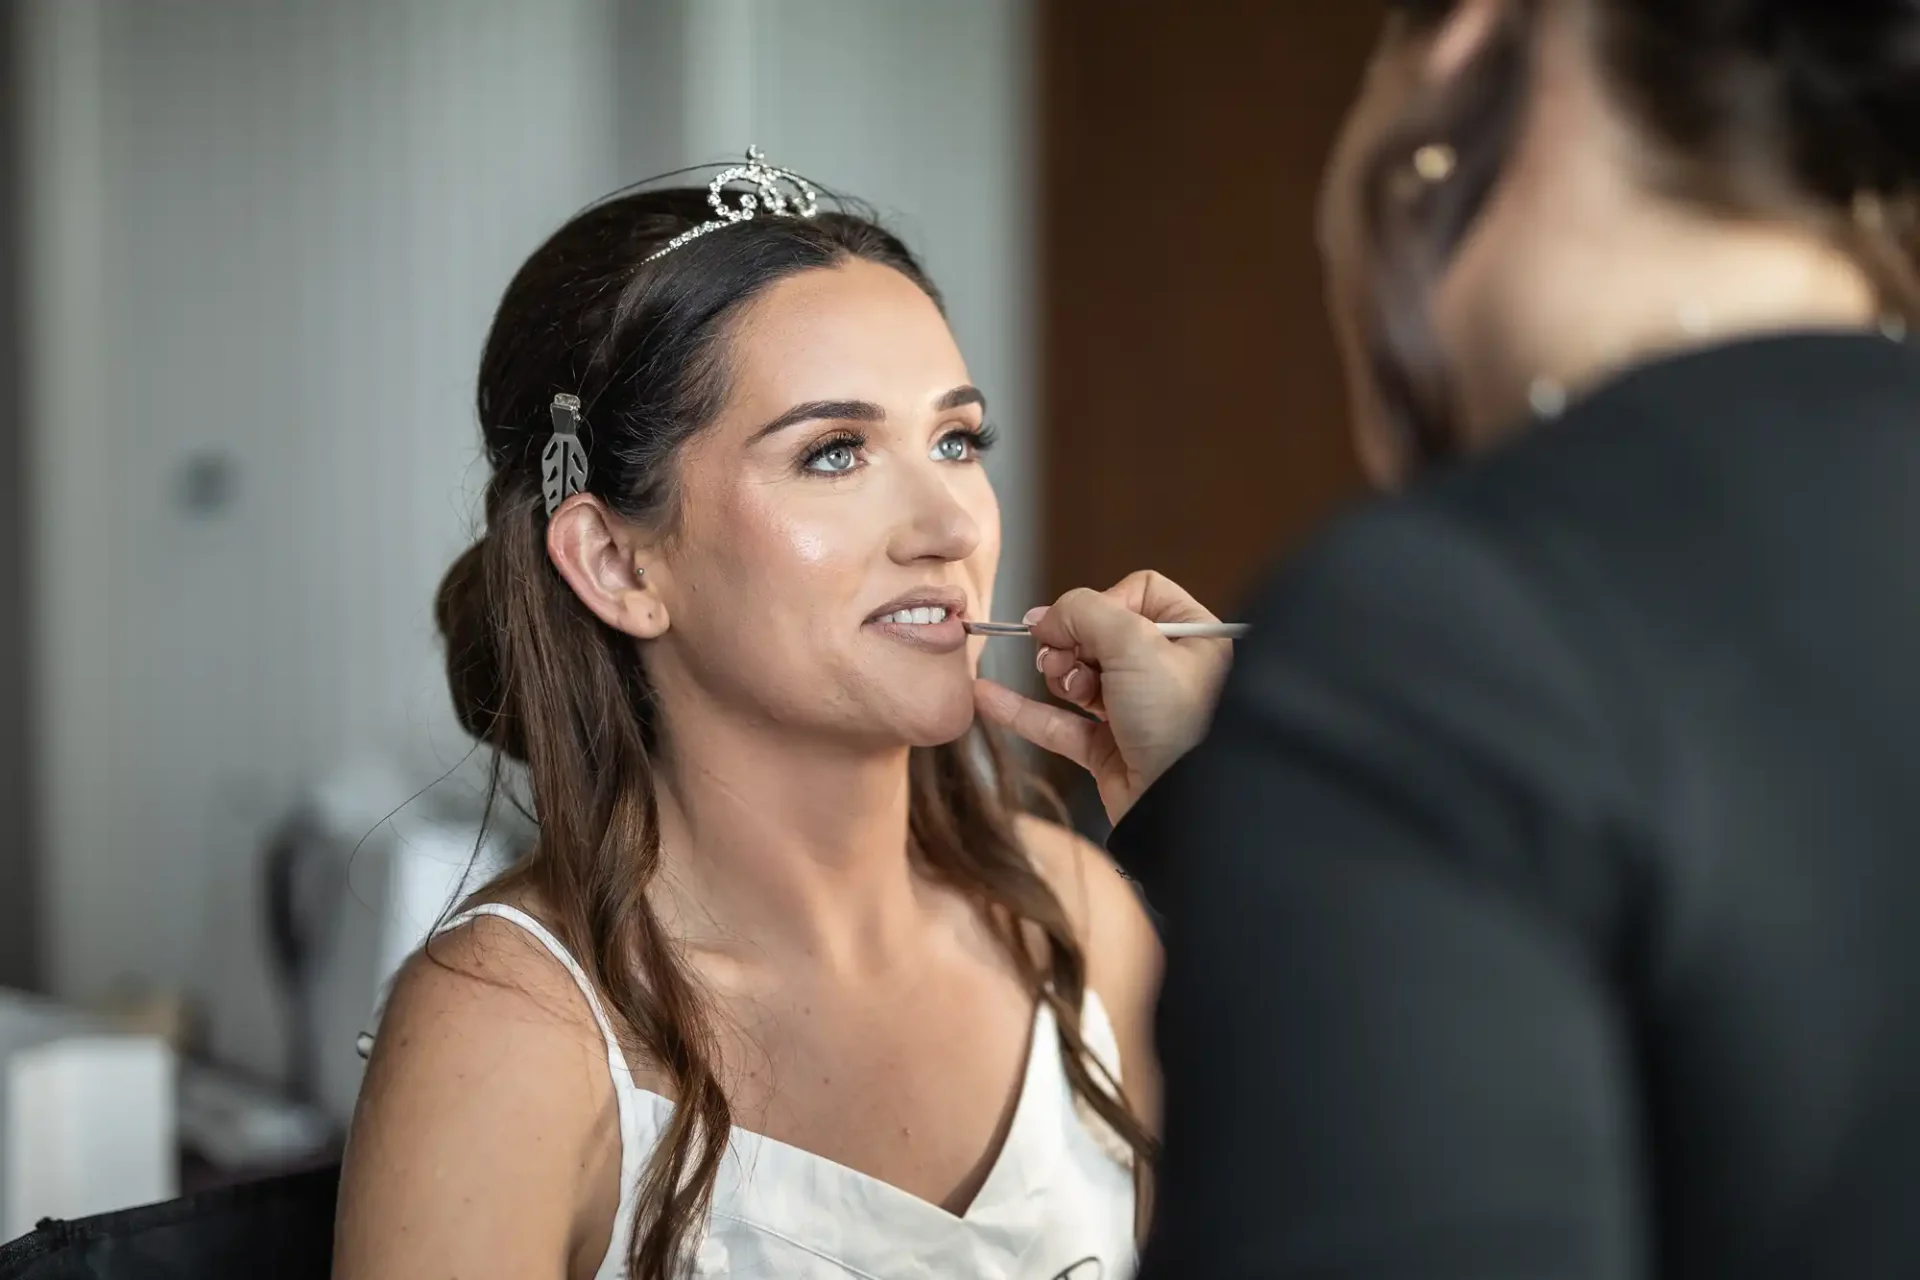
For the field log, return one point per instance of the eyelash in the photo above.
(979, 442)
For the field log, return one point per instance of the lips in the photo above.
(929, 620)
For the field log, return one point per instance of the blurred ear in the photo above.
(604, 559)
(1463, 36)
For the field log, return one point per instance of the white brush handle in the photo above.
(1202, 630)
(1171, 630)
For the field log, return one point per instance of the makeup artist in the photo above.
(1544, 897)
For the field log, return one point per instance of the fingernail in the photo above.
(1034, 615)
(1066, 685)
(1040, 660)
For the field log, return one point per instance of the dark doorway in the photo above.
(1193, 411)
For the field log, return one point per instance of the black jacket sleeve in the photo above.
(1393, 879)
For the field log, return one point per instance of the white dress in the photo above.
(1058, 1203)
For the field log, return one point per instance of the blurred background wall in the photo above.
(257, 247)
(263, 245)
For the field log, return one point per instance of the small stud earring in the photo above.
(1547, 398)
(1435, 162)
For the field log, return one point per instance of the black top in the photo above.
(1546, 900)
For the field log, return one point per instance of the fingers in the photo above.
(1049, 728)
(1098, 623)
(1158, 597)
(1101, 630)
(1068, 678)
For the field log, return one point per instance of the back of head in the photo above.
(1773, 102)
(1781, 112)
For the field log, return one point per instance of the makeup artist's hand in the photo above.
(1149, 697)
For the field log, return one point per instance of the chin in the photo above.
(933, 719)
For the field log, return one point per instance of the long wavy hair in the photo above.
(539, 679)
(1789, 110)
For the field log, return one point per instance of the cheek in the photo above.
(1366, 424)
(1342, 231)
(984, 507)
(760, 581)
(798, 560)
(1347, 271)
(1392, 78)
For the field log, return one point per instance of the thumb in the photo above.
(1050, 728)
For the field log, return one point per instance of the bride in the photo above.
(789, 985)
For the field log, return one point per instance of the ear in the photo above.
(1467, 31)
(604, 559)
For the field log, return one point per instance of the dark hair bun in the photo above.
(475, 672)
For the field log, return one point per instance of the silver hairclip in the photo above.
(563, 465)
(770, 201)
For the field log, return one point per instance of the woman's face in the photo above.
(1392, 79)
(835, 524)
(1413, 62)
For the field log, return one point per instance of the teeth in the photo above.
(917, 617)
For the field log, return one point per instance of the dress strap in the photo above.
(634, 1115)
(616, 1060)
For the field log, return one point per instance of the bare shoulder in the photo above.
(492, 981)
(1101, 903)
(1121, 945)
(483, 1143)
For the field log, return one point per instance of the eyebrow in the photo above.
(959, 397)
(859, 411)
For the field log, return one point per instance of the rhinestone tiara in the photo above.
(768, 199)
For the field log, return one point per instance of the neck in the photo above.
(1600, 309)
(797, 848)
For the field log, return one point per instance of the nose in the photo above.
(935, 523)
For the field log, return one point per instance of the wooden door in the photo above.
(1193, 413)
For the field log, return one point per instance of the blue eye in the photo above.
(963, 446)
(833, 457)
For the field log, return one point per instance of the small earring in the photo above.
(1547, 398)
(1435, 162)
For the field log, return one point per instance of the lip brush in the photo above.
(1171, 630)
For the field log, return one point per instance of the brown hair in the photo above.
(540, 679)
(1806, 110)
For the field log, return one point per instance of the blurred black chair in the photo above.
(280, 1228)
